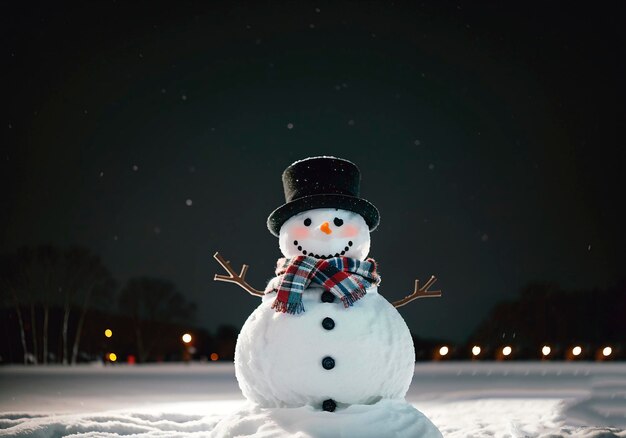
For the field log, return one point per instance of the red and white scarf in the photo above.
(346, 278)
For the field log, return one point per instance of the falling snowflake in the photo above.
(189, 202)
(484, 237)
(101, 174)
(431, 166)
(183, 97)
(289, 125)
(417, 142)
(135, 168)
(157, 230)
(351, 122)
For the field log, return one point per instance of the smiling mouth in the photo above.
(318, 256)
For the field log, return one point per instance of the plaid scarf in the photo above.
(346, 278)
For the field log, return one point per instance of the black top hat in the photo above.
(321, 182)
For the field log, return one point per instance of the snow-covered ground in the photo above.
(476, 399)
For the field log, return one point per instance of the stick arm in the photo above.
(233, 277)
(419, 292)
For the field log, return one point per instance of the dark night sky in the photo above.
(487, 136)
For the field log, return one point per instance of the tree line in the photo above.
(545, 313)
(51, 290)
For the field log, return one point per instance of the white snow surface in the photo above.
(278, 356)
(470, 399)
(386, 418)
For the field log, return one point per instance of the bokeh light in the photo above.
(108, 333)
(443, 350)
(476, 350)
(607, 351)
(112, 357)
(506, 351)
(577, 350)
(186, 338)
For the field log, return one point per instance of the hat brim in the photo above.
(361, 206)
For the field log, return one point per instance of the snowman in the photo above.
(324, 349)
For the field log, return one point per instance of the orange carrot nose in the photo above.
(326, 228)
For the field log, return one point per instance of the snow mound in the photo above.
(105, 424)
(606, 405)
(387, 418)
(511, 418)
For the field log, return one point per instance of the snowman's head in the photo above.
(325, 232)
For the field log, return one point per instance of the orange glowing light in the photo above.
(214, 356)
(108, 333)
(112, 357)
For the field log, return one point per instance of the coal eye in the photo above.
(307, 222)
(338, 222)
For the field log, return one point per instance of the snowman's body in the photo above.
(279, 357)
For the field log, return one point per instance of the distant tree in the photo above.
(45, 276)
(149, 302)
(45, 267)
(10, 283)
(25, 280)
(88, 280)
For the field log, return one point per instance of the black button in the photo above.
(327, 297)
(328, 363)
(328, 323)
(329, 405)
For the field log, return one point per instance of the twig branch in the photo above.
(233, 277)
(419, 292)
